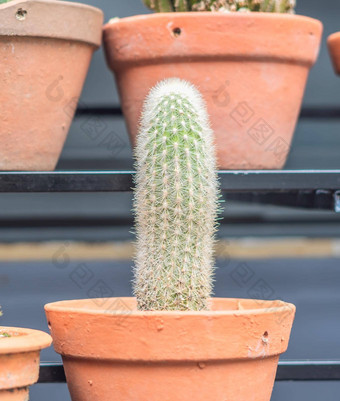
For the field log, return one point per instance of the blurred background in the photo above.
(47, 240)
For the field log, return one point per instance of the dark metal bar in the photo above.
(111, 181)
(307, 112)
(317, 113)
(308, 370)
(320, 199)
(106, 111)
(287, 370)
(89, 222)
(66, 181)
(313, 189)
(280, 180)
(51, 373)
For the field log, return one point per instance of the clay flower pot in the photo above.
(113, 352)
(251, 68)
(334, 50)
(45, 50)
(19, 361)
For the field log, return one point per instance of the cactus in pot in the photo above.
(178, 336)
(278, 6)
(176, 200)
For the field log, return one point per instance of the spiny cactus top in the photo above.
(275, 6)
(176, 200)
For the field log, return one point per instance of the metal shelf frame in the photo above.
(287, 371)
(312, 189)
(316, 189)
(122, 181)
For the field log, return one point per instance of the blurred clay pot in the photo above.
(19, 361)
(334, 50)
(45, 48)
(251, 68)
(112, 352)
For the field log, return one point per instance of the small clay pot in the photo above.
(251, 68)
(112, 352)
(334, 50)
(19, 361)
(45, 49)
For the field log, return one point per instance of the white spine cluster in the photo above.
(176, 200)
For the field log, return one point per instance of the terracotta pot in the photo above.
(19, 361)
(45, 49)
(113, 352)
(251, 69)
(334, 50)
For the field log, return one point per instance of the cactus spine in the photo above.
(274, 6)
(176, 200)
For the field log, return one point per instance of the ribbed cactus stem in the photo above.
(176, 200)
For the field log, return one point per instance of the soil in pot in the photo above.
(112, 352)
(19, 361)
(251, 68)
(46, 47)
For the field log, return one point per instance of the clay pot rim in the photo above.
(81, 328)
(333, 37)
(215, 15)
(268, 307)
(81, 22)
(23, 340)
(333, 43)
(263, 37)
(52, 2)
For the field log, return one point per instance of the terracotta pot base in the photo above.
(251, 69)
(113, 352)
(45, 50)
(38, 103)
(19, 361)
(170, 381)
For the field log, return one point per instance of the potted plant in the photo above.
(334, 50)
(46, 48)
(19, 361)
(172, 342)
(249, 59)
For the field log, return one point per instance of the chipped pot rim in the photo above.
(23, 340)
(52, 19)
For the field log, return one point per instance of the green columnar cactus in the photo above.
(176, 200)
(277, 6)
